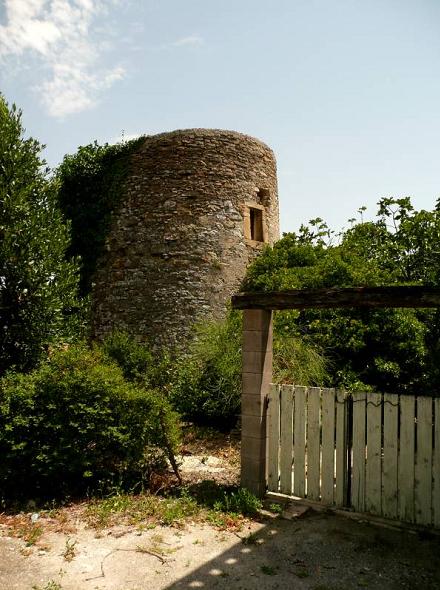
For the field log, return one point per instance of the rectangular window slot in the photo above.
(256, 223)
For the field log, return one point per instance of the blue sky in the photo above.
(346, 92)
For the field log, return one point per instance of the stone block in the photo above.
(253, 405)
(256, 487)
(257, 319)
(253, 426)
(256, 341)
(253, 448)
(257, 362)
(251, 383)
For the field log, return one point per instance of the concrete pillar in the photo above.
(257, 376)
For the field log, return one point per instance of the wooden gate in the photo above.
(374, 453)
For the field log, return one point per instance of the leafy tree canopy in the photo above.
(390, 349)
(37, 282)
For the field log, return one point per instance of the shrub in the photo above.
(133, 358)
(298, 361)
(207, 382)
(369, 349)
(242, 501)
(137, 361)
(74, 424)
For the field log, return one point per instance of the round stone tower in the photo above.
(198, 205)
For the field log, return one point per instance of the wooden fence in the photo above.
(374, 453)
(370, 452)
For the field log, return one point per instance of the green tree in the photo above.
(390, 349)
(37, 283)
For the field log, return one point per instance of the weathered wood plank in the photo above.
(286, 446)
(299, 442)
(390, 455)
(359, 447)
(436, 497)
(406, 458)
(328, 446)
(273, 441)
(341, 450)
(423, 466)
(373, 483)
(415, 296)
(313, 443)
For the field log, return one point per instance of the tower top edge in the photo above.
(200, 132)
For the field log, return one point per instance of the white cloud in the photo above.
(191, 40)
(60, 34)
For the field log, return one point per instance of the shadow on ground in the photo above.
(317, 551)
(321, 551)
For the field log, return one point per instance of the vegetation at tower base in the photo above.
(75, 425)
(205, 384)
(37, 282)
(387, 350)
(90, 188)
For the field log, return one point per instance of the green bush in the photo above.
(297, 361)
(133, 358)
(75, 425)
(206, 384)
(380, 349)
(207, 381)
(138, 363)
(242, 501)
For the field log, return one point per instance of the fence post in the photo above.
(256, 376)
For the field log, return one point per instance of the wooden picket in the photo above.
(341, 449)
(302, 423)
(286, 444)
(390, 455)
(382, 450)
(328, 446)
(273, 441)
(373, 479)
(423, 465)
(299, 442)
(359, 446)
(406, 459)
(313, 443)
(436, 464)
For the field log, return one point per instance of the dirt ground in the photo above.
(297, 549)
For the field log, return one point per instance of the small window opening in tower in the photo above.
(256, 223)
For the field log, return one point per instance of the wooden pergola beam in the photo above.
(373, 297)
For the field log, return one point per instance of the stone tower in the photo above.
(198, 205)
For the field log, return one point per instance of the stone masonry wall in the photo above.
(180, 242)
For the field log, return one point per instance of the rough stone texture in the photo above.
(180, 242)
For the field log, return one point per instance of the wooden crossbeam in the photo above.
(375, 297)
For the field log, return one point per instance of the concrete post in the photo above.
(257, 376)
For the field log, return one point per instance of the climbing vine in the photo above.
(90, 188)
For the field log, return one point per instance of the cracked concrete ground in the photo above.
(300, 549)
(318, 551)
